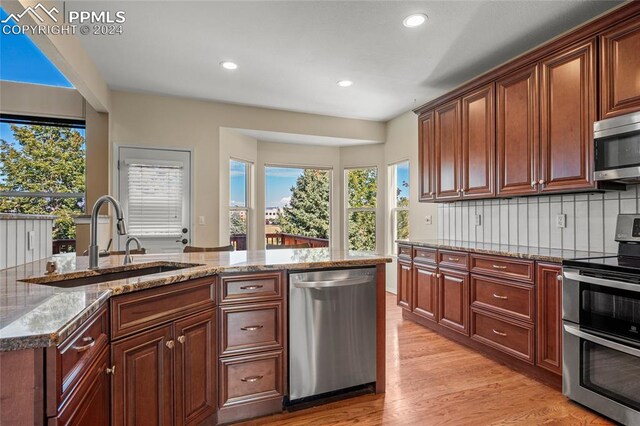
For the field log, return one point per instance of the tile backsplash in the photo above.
(531, 221)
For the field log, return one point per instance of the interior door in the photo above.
(154, 187)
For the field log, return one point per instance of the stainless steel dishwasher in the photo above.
(332, 331)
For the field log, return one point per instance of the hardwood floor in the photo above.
(434, 381)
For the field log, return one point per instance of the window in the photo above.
(399, 201)
(297, 206)
(361, 202)
(239, 178)
(42, 171)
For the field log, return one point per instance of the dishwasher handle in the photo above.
(334, 283)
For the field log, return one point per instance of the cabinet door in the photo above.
(195, 368)
(447, 151)
(89, 405)
(620, 69)
(568, 110)
(549, 321)
(478, 144)
(425, 156)
(404, 284)
(425, 291)
(517, 132)
(453, 295)
(143, 380)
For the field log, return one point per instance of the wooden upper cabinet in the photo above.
(478, 143)
(448, 163)
(517, 132)
(568, 110)
(425, 155)
(620, 69)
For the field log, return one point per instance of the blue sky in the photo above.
(279, 181)
(403, 176)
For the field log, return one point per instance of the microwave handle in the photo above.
(602, 282)
(575, 330)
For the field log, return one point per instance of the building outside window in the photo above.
(239, 202)
(399, 202)
(361, 188)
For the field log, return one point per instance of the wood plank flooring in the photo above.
(434, 381)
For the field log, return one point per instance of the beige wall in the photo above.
(161, 121)
(41, 101)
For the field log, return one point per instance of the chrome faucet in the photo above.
(121, 227)
(127, 252)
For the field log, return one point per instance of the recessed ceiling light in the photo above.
(345, 83)
(228, 65)
(414, 20)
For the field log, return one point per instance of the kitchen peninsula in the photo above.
(74, 354)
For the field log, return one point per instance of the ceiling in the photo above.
(291, 54)
(300, 139)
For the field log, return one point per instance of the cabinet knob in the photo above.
(541, 182)
(431, 193)
(182, 338)
(559, 277)
(533, 184)
(170, 344)
(111, 370)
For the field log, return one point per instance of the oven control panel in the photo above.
(628, 228)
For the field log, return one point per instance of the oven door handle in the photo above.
(602, 282)
(575, 330)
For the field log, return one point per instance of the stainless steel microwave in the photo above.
(617, 149)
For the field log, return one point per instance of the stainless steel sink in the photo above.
(109, 274)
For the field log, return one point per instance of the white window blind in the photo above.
(155, 200)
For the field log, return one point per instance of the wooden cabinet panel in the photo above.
(425, 291)
(509, 336)
(251, 288)
(453, 295)
(549, 322)
(89, 405)
(425, 255)
(504, 267)
(448, 162)
(620, 69)
(568, 110)
(426, 151)
(250, 328)
(504, 297)
(143, 380)
(478, 143)
(195, 368)
(453, 259)
(517, 132)
(134, 312)
(404, 251)
(404, 284)
(250, 378)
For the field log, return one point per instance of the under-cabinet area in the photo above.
(506, 307)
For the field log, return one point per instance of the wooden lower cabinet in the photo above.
(504, 334)
(453, 295)
(404, 284)
(425, 291)
(549, 317)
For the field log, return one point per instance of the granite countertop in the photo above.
(36, 315)
(521, 252)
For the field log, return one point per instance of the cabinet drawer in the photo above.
(506, 335)
(69, 362)
(508, 298)
(142, 310)
(250, 378)
(502, 267)
(250, 288)
(404, 251)
(425, 255)
(250, 328)
(453, 259)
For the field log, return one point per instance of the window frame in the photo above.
(247, 198)
(348, 210)
(392, 173)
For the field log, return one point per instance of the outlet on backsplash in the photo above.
(561, 221)
(478, 219)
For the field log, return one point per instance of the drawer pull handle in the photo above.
(170, 344)
(497, 296)
(111, 370)
(499, 333)
(251, 287)
(89, 345)
(251, 327)
(454, 259)
(251, 379)
(499, 267)
(182, 338)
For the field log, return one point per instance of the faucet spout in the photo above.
(120, 225)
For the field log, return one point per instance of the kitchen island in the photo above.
(78, 353)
